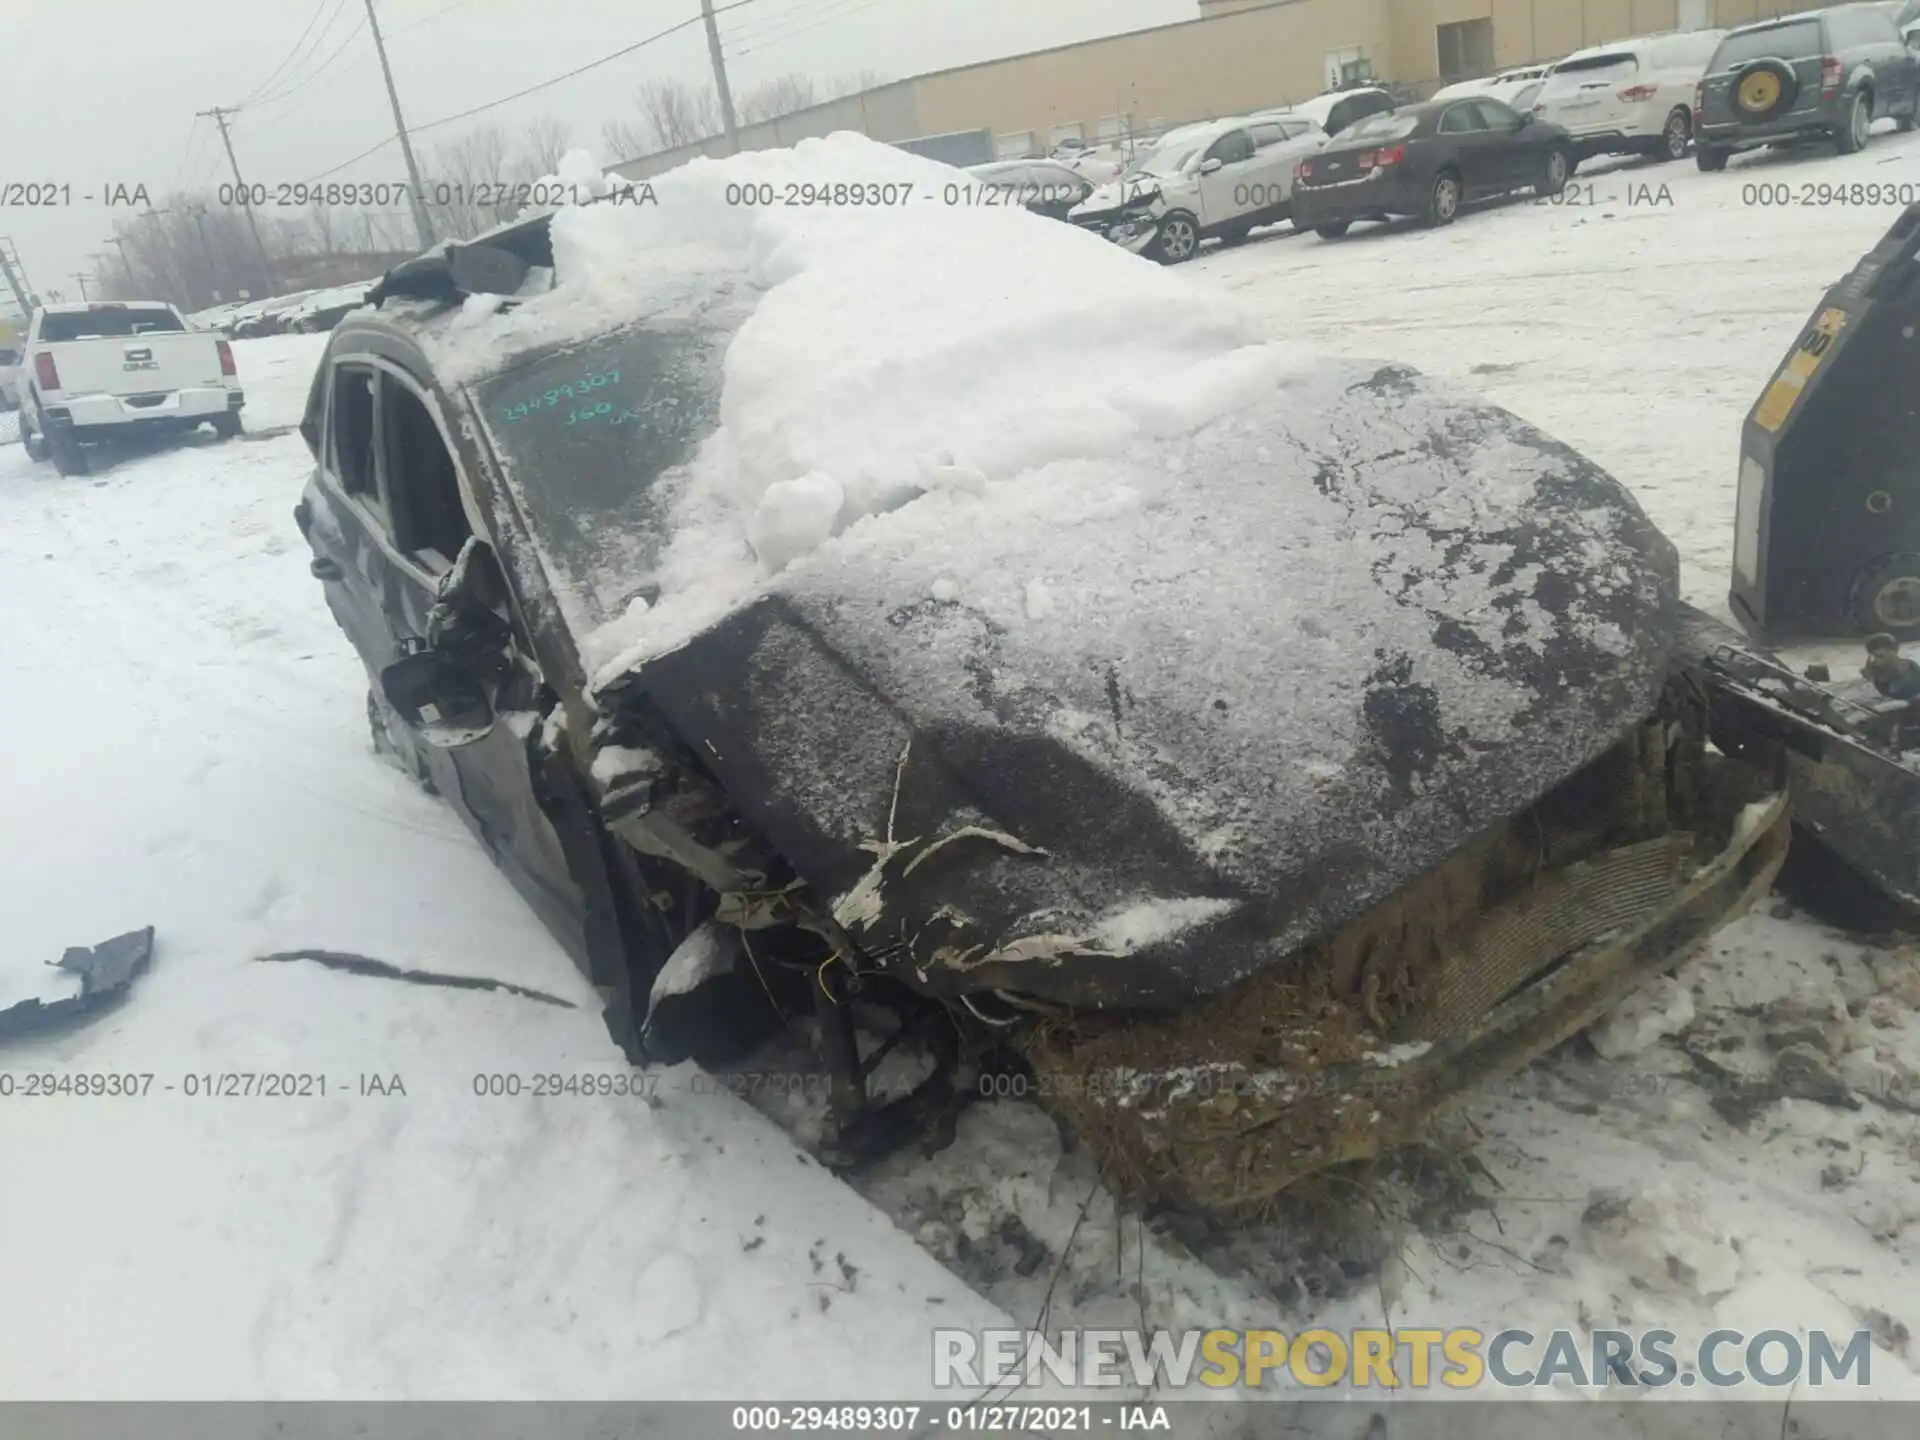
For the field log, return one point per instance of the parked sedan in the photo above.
(1429, 160)
(1044, 187)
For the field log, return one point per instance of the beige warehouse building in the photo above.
(1238, 55)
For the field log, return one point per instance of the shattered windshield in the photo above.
(587, 436)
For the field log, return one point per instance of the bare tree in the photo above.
(855, 84)
(369, 231)
(623, 140)
(773, 98)
(187, 250)
(543, 145)
(463, 184)
(321, 223)
(676, 114)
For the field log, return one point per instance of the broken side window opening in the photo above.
(422, 482)
(352, 427)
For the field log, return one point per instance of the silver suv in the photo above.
(1219, 180)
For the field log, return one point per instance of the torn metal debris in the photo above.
(105, 971)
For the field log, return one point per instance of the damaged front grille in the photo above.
(1518, 941)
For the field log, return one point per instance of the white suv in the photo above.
(1204, 181)
(1506, 86)
(1634, 97)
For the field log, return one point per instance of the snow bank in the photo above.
(894, 349)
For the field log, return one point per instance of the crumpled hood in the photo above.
(1116, 195)
(1192, 705)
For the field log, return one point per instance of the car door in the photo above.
(1298, 140)
(344, 512)
(1893, 64)
(1263, 195)
(399, 512)
(1223, 186)
(1465, 141)
(1514, 149)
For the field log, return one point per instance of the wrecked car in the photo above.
(1262, 758)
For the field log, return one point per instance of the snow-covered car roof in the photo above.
(337, 296)
(1291, 608)
(1509, 80)
(1321, 106)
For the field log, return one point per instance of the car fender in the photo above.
(1180, 195)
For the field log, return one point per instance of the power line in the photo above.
(763, 41)
(187, 155)
(325, 65)
(380, 145)
(291, 82)
(758, 23)
(625, 50)
(426, 19)
(658, 35)
(293, 56)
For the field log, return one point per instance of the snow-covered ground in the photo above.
(185, 747)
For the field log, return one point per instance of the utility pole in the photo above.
(220, 114)
(422, 222)
(16, 281)
(199, 213)
(125, 263)
(719, 76)
(83, 285)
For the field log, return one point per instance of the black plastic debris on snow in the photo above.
(105, 971)
(365, 965)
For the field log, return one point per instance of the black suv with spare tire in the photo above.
(1827, 74)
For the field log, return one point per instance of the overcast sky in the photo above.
(106, 94)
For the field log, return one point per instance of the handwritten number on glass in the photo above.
(573, 390)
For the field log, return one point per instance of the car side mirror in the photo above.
(1207, 167)
(440, 701)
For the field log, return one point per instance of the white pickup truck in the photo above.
(114, 369)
